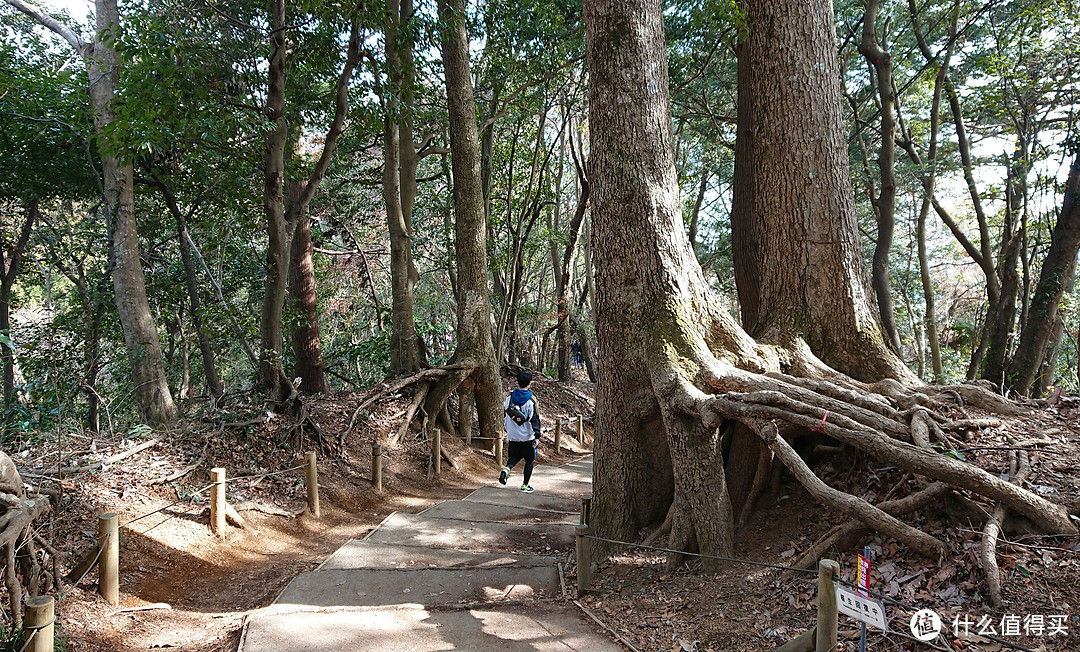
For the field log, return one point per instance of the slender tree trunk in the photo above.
(1058, 269)
(92, 351)
(930, 316)
(306, 341)
(928, 180)
(562, 300)
(696, 210)
(9, 271)
(185, 360)
(1000, 323)
(1013, 240)
(470, 229)
(800, 224)
(885, 203)
(213, 382)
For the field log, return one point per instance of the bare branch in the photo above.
(45, 20)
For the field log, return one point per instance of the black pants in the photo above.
(521, 450)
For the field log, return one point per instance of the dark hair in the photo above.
(524, 377)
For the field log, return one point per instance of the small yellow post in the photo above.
(40, 615)
(109, 561)
(217, 501)
(436, 450)
(584, 564)
(827, 613)
(376, 467)
(558, 434)
(580, 431)
(586, 508)
(311, 479)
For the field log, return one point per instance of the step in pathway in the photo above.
(479, 574)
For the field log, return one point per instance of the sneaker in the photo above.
(503, 475)
(526, 489)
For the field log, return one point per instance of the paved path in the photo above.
(479, 574)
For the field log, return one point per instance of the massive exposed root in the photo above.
(908, 428)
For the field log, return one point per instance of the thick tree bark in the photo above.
(306, 341)
(885, 203)
(470, 228)
(1057, 271)
(653, 310)
(799, 225)
(658, 431)
(10, 265)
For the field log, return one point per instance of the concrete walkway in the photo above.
(479, 574)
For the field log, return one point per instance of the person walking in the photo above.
(521, 418)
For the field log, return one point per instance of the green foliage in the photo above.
(44, 118)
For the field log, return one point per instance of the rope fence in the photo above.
(40, 611)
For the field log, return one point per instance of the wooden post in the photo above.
(558, 434)
(586, 507)
(109, 561)
(580, 431)
(436, 450)
(311, 479)
(826, 612)
(40, 615)
(499, 451)
(217, 501)
(376, 467)
(584, 564)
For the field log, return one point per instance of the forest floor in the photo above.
(210, 585)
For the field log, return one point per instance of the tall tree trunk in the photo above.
(152, 396)
(406, 350)
(1000, 323)
(800, 224)
(885, 203)
(282, 217)
(279, 230)
(9, 271)
(1058, 269)
(306, 341)
(928, 180)
(470, 229)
